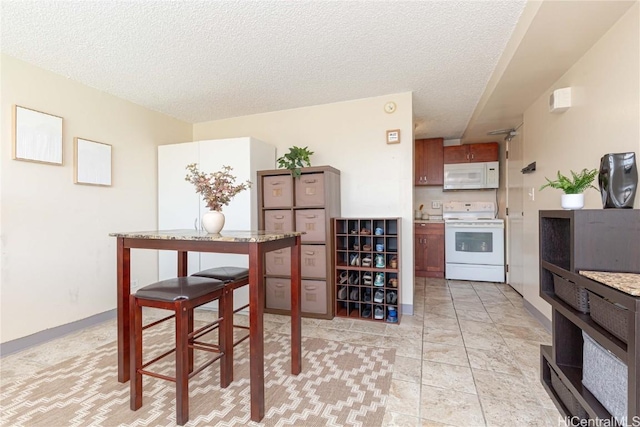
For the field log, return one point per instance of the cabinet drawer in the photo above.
(311, 221)
(314, 261)
(278, 293)
(423, 228)
(277, 191)
(314, 296)
(278, 220)
(310, 190)
(278, 263)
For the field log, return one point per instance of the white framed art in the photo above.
(37, 136)
(92, 162)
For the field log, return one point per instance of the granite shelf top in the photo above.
(628, 283)
(249, 236)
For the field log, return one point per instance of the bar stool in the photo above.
(180, 295)
(233, 278)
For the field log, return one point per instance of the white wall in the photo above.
(376, 178)
(604, 118)
(58, 261)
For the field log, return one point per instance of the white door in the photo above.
(234, 152)
(177, 202)
(514, 223)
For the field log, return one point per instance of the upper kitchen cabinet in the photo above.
(429, 161)
(482, 152)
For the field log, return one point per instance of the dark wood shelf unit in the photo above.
(595, 240)
(348, 232)
(571, 377)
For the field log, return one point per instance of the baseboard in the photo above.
(546, 323)
(38, 338)
(407, 309)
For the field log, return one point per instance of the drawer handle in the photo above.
(279, 216)
(310, 181)
(423, 225)
(277, 183)
(280, 285)
(279, 251)
(309, 252)
(310, 287)
(312, 216)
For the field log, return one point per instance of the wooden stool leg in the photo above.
(135, 348)
(225, 337)
(191, 318)
(182, 363)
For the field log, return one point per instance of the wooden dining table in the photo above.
(253, 243)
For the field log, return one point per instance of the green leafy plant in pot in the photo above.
(573, 187)
(295, 159)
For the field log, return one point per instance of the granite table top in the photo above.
(628, 283)
(246, 236)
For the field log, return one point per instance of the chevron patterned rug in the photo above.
(340, 385)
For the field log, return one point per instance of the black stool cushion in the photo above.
(226, 274)
(179, 288)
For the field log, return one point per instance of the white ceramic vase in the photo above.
(213, 221)
(572, 201)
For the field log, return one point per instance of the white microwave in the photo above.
(471, 176)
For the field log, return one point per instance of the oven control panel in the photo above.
(468, 209)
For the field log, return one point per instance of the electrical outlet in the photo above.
(134, 284)
(436, 204)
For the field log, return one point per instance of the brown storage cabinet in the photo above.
(429, 161)
(468, 153)
(356, 238)
(597, 240)
(429, 249)
(304, 204)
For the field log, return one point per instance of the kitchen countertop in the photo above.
(628, 283)
(428, 221)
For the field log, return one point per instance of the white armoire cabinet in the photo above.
(180, 207)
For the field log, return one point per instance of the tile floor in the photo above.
(469, 356)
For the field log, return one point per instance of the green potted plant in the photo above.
(295, 159)
(573, 187)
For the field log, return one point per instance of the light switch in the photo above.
(436, 204)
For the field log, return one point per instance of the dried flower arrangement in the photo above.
(217, 188)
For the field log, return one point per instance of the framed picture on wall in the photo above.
(92, 162)
(37, 136)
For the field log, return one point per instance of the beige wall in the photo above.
(58, 262)
(376, 178)
(604, 118)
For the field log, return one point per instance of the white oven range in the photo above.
(474, 242)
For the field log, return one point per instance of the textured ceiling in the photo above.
(204, 60)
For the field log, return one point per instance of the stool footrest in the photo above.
(241, 339)
(205, 365)
(240, 308)
(164, 319)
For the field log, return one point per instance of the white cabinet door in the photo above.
(178, 203)
(179, 206)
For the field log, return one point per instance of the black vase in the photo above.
(618, 180)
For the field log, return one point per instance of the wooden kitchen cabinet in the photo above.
(467, 153)
(429, 158)
(429, 249)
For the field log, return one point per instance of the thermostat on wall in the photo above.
(560, 100)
